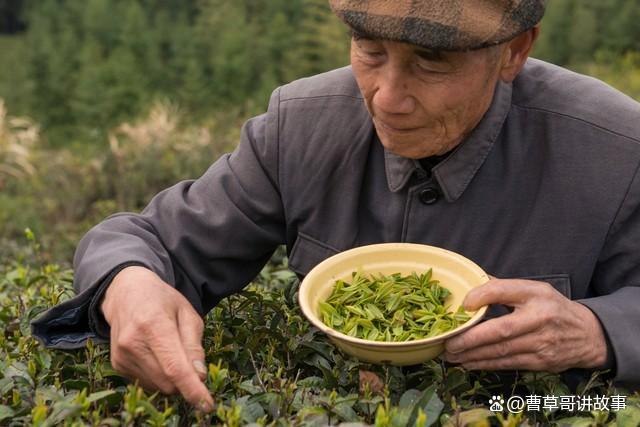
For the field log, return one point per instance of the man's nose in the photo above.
(393, 95)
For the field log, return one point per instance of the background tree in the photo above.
(92, 64)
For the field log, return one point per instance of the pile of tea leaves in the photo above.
(390, 308)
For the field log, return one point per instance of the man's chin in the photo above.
(410, 149)
(416, 148)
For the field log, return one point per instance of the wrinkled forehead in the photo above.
(441, 25)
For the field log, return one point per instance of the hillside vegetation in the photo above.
(106, 102)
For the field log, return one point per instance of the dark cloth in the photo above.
(546, 188)
(427, 164)
(441, 25)
(57, 327)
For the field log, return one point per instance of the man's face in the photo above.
(423, 103)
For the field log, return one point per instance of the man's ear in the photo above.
(516, 53)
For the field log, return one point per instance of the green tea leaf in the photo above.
(390, 308)
(5, 412)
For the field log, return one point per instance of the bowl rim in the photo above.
(332, 333)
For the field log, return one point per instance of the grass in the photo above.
(267, 366)
(17, 136)
(14, 78)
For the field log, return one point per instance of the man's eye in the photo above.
(370, 48)
(373, 53)
(372, 56)
(430, 68)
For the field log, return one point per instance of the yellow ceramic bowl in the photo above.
(455, 272)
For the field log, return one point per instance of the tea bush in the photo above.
(267, 366)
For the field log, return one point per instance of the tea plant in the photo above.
(267, 367)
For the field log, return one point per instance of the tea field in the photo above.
(267, 367)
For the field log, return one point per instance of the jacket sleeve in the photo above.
(207, 237)
(616, 282)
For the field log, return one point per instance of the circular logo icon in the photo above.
(515, 404)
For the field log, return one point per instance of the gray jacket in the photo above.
(546, 187)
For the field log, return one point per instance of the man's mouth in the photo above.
(388, 128)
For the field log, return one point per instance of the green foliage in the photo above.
(267, 366)
(82, 68)
(391, 308)
(61, 193)
(91, 65)
(573, 31)
(14, 84)
(621, 72)
(321, 41)
(167, 85)
(17, 136)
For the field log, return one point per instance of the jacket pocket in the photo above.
(308, 252)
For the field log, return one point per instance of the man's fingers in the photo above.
(144, 313)
(511, 292)
(525, 343)
(151, 377)
(519, 361)
(492, 331)
(178, 368)
(190, 327)
(135, 361)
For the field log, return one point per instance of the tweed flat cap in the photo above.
(441, 24)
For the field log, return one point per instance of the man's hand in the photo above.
(545, 332)
(156, 335)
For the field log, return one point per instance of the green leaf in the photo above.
(628, 417)
(251, 410)
(355, 310)
(107, 370)
(18, 371)
(76, 384)
(324, 365)
(579, 422)
(430, 404)
(373, 334)
(44, 359)
(373, 312)
(6, 384)
(456, 377)
(249, 387)
(379, 301)
(98, 395)
(327, 309)
(63, 410)
(25, 320)
(311, 382)
(273, 402)
(6, 412)
(345, 412)
(476, 416)
(49, 394)
(312, 416)
(409, 398)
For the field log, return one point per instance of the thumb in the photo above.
(191, 327)
(510, 292)
(474, 298)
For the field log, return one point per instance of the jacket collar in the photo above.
(456, 171)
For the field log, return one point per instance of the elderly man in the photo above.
(441, 132)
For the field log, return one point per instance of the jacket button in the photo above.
(429, 196)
